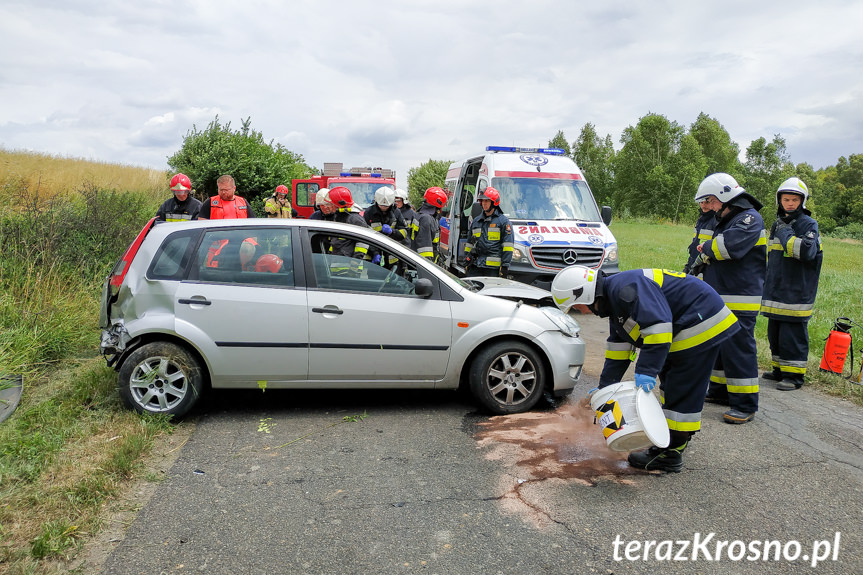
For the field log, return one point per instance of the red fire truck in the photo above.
(362, 182)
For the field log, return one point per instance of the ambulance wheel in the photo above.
(507, 377)
(160, 377)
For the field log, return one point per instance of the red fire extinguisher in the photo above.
(837, 346)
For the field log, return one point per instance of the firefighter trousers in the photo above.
(683, 382)
(789, 347)
(736, 370)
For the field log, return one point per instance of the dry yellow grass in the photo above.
(49, 176)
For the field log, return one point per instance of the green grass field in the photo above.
(654, 245)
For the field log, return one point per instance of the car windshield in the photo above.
(546, 199)
(363, 193)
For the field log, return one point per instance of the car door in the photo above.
(241, 308)
(366, 326)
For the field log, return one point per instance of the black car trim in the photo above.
(259, 344)
(379, 346)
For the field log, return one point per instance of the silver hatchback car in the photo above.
(271, 304)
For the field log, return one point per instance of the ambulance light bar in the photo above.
(549, 151)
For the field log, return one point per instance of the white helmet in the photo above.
(322, 196)
(572, 285)
(385, 196)
(793, 186)
(721, 185)
(400, 193)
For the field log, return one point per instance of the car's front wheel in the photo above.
(160, 377)
(507, 377)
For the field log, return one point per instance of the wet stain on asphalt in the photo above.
(563, 445)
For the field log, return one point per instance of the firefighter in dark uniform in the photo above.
(409, 215)
(677, 321)
(489, 249)
(703, 232)
(427, 236)
(382, 216)
(181, 207)
(793, 268)
(734, 263)
(343, 200)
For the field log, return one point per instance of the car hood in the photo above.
(511, 290)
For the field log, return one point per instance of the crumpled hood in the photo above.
(512, 290)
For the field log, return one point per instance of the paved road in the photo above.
(419, 482)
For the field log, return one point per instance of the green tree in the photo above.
(257, 166)
(595, 157)
(427, 175)
(767, 165)
(716, 145)
(658, 169)
(559, 141)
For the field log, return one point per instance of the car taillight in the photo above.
(122, 266)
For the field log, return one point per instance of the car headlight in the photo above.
(519, 256)
(611, 254)
(563, 321)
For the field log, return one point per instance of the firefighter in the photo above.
(278, 205)
(734, 263)
(793, 268)
(427, 236)
(324, 208)
(341, 198)
(227, 204)
(383, 217)
(703, 231)
(409, 215)
(489, 248)
(181, 206)
(677, 321)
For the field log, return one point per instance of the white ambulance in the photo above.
(555, 219)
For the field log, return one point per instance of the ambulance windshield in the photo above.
(546, 199)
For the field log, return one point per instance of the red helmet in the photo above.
(281, 190)
(268, 263)
(181, 183)
(435, 197)
(341, 197)
(490, 194)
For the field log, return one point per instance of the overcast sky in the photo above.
(396, 83)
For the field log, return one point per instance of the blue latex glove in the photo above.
(376, 259)
(386, 229)
(645, 382)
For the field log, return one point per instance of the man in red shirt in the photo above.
(226, 205)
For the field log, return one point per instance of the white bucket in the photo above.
(616, 408)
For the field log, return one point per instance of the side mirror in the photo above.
(475, 211)
(423, 287)
(606, 214)
(466, 200)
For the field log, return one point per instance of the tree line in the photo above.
(657, 171)
(654, 174)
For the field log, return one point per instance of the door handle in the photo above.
(336, 311)
(195, 301)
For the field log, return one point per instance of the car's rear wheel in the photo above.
(507, 377)
(160, 377)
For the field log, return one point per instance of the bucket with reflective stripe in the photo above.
(616, 412)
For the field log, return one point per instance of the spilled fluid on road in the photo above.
(564, 444)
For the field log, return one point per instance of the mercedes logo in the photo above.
(570, 257)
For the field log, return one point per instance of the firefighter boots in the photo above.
(790, 383)
(737, 416)
(658, 459)
(775, 375)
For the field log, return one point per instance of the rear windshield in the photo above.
(546, 199)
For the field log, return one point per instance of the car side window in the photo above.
(246, 256)
(172, 259)
(335, 268)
